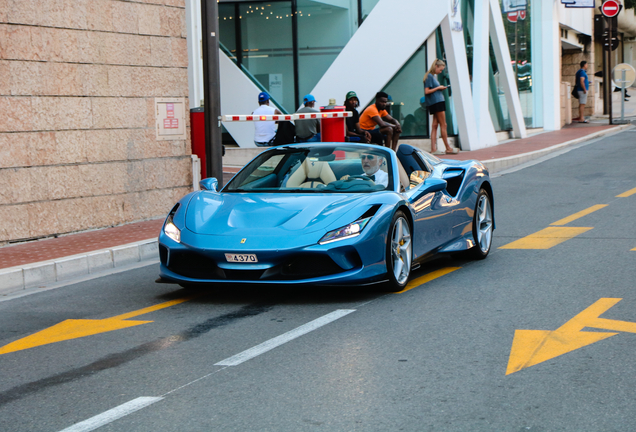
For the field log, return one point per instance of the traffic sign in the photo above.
(623, 81)
(610, 8)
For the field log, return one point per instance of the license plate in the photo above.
(241, 258)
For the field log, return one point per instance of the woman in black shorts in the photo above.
(436, 105)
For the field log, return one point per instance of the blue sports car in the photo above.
(328, 214)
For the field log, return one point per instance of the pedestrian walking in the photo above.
(436, 105)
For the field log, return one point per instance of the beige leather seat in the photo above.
(404, 178)
(310, 174)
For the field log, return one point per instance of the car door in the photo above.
(429, 204)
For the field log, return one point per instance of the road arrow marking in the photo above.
(77, 328)
(531, 347)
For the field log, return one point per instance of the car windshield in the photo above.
(321, 168)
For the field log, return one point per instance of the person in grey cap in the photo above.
(308, 130)
(354, 132)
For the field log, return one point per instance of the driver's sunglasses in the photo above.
(369, 157)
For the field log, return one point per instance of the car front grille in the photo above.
(194, 265)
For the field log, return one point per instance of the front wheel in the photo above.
(399, 253)
(482, 226)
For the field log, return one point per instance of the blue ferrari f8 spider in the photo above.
(328, 214)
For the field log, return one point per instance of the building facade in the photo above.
(78, 142)
(327, 47)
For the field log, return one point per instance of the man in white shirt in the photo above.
(371, 167)
(264, 131)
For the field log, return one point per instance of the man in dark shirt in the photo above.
(354, 133)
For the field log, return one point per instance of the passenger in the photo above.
(264, 131)
(354, 132)
(308, 130)
(377, 121)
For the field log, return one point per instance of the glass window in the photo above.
(366, 7)
(227, 29)
(323, 31)
(267, 49)
(518, 32)
(406, 90)
(321, 168)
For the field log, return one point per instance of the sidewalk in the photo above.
(37, 264)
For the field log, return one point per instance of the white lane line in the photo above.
(142, 402)
(284, 338)
(112, 414)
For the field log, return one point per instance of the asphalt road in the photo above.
(511, 343)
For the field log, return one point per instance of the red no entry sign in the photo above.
(610, 8)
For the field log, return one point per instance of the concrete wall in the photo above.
(78, 80)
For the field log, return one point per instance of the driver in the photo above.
(371, 167)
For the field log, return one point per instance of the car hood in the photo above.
(267, 214)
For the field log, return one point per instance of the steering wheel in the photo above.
(360, 177)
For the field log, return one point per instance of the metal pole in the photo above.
(211, 89)
(623, 81)
(605, 80)
(609, 71)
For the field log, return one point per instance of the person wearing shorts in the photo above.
(436, 105)
(582, 87)
(379, 124)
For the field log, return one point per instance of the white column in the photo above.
(460, 83)
(502, 53)
(195, 56)
(550, 61)
(481, 60)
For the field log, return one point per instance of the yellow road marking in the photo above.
(427, 278)
(580, 214)
(73, 329)
(634, 249)
(151, 308)
(546, 238)
(627, 194)
(531, 347)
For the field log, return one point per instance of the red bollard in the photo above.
(332, 129)
(197, 124)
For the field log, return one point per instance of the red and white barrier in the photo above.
(287, 117)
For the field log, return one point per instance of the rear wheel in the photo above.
(482, 226)
(399, 253)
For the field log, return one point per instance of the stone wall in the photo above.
(78, 79)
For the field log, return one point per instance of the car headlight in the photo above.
(352, 230)
(171, 230)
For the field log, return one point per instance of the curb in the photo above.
(37, 275)
(497, 165)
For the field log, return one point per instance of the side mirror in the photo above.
(427, 186)
(210, 183)
(433, 185)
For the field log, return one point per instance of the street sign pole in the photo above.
(609, 68)
(212, 89)
(623, 80)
